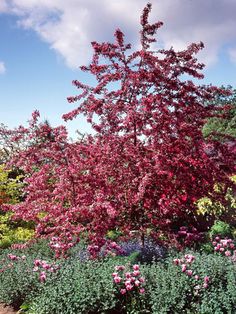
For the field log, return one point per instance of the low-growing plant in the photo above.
(184, 287)
(81, 287)
(19, 282)
(182, 283)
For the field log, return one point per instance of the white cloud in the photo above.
(2, 67)
(3, 6)
(232, 54)
(69, 26)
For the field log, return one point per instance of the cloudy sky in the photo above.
(43, 42)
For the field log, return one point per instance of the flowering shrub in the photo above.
(128, 281)
(89, 287)
(130, 285)
(43, 267)
(171, 289)
(185, 264)
(18, 281)
(147, 164)
(224, 246)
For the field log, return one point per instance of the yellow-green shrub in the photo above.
(218, 210)
(10, 193)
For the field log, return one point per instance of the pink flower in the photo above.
(184, 267)
(189, 258)
(12, 257)
(42, 276)
(137, 283)
(122, 291)
(176, 261)
(128, 282)
(224, 243)
(222, 249)
(136, 267)
(129, 287)
(142, 290)
(119, 267)
(128, 275)
(217, 239)
(136, 273)
(227, 253)
(114, 274)
(205, 285)
(45, 265)
(206, 279)
(196, 277)
(214, 243)
(189, 272)
(231, 245)
(37, 262)
(142, 279)
(117, 279)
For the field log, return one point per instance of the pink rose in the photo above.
(142, 290)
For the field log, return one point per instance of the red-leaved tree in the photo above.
(148, 162)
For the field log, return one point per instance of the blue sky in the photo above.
(43, 42)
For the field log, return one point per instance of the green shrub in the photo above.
(87, 286)
(220, 228)
(80, 288)
(169, 290)
(18, 282)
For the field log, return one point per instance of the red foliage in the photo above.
(147, 164)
